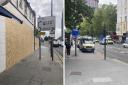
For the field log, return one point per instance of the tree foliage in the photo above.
(75, 12)
(104, 18)
(84, 28)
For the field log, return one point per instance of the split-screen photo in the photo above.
(63, 42)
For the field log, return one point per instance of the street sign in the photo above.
(75, 33)
(3, 2)
(46, 23)
(42, 33)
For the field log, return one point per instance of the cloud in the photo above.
(43, 8)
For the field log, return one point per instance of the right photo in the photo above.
(96, 42)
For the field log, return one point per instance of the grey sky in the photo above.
(43, 8)
(107, 1)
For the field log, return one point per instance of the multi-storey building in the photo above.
(92, 3)
(17, 23)
(122, 17)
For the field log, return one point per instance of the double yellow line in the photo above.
(59, 56)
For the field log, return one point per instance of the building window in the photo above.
(17, 3)
(125, 18)
(30, 15)
(21, 4)
(25, 9)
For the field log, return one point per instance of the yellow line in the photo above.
(60, 58)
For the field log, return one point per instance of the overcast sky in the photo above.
(107, 1)
(43, 8)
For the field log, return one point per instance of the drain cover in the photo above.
(75, 73)
(102, 80)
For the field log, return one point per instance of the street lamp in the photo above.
(51, 44)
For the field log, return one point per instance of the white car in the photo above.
(55, 43)
(86, 46)
(125, 45)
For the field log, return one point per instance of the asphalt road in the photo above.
(115, 51)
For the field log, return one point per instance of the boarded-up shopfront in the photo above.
(16, 33)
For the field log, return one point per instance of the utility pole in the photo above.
(39, 41)
(75, 27)
(34, 32)
(105, 43)
(62, 26)
(51, 44)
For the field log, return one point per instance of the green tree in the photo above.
(104, 18)
(75, 12)
(84, 28)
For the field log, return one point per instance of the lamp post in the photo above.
(105, 43)
(75, 27)
(51, 44)
(39, 41)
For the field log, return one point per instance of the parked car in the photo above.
(125, 45)
(95, 40)
(61, 43)
(56, 43)
(108, 41)
(86, 46)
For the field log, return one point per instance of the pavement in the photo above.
(92, 69)
(32, 71)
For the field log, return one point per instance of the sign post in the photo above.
(39, 41)
(105, 43)
(75, 33)
(42, 33)
(48, 24)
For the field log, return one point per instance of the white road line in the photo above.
(102, 80)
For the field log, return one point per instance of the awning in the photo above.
(6, 13)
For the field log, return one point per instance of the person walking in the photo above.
(68, 47)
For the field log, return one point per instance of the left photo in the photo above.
(31, 42)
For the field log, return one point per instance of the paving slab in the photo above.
(92, 69)
(32, 71)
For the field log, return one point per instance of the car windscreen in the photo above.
(87, 42)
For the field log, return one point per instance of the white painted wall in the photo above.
(2, 45)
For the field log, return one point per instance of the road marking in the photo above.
(102, 80)
(59, 56)
(123, 52)
(75, 73)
